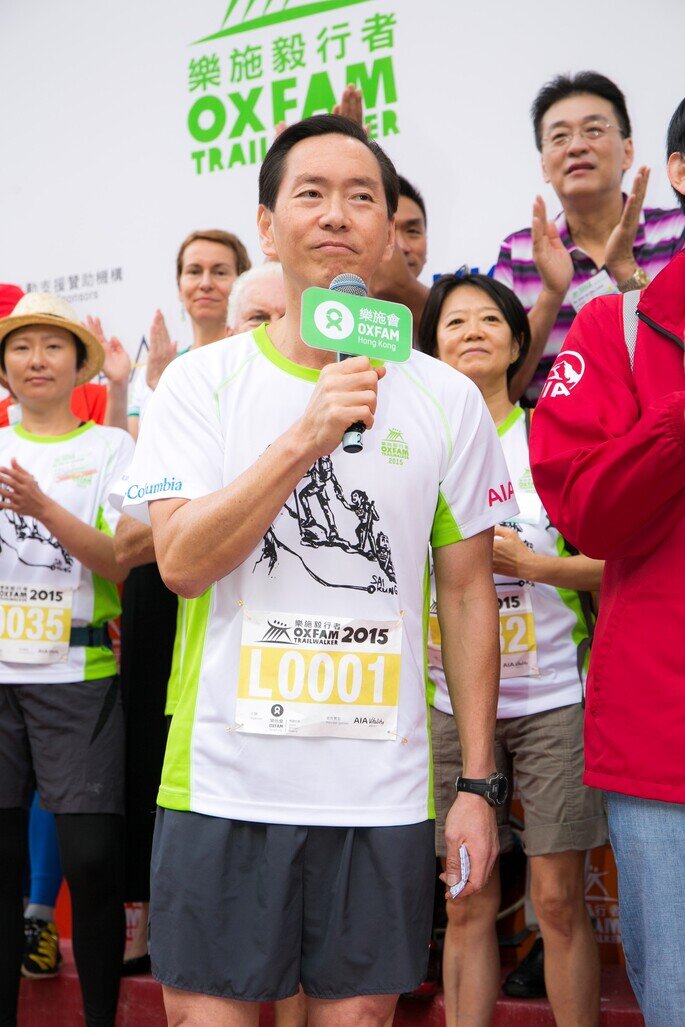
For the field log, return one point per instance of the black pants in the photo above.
(148, 628)
(91, 847)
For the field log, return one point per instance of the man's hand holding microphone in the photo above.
(346, 392)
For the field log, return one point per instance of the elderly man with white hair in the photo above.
(258, 296)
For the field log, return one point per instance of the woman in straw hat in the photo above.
(92, 401)
(60, 713)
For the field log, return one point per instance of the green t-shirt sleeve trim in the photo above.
(100, 660)
(445, 529)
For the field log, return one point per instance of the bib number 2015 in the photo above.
(289, 684)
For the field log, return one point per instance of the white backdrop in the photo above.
(98, 184)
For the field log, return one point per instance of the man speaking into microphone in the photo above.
(294, 839)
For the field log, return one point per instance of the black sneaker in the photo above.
(42, 957)
(527, 980)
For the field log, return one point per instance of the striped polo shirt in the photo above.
(660, 235)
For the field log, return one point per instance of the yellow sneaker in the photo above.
(42, 957)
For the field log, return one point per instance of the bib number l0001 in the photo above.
(35, 623)
(517, 633)
(312, 676)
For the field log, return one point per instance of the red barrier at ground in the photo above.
(57, 1002)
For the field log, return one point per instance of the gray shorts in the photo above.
(545, 752)
(247, 911)
(66, 740)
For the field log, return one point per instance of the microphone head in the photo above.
(349, 283)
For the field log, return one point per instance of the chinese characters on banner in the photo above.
(77, 288)
(243, 86)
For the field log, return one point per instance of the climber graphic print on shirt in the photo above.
(18, 532)
(319, 523)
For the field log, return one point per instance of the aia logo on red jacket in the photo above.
(501, 494)
(568, 369)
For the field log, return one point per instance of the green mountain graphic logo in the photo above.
(248, 15)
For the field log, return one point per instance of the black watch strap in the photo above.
(494, 789)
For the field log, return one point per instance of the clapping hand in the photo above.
(161, 352)
(351, 106)
(117, 365)
(20, 492)
(552, 259)
(618, 256)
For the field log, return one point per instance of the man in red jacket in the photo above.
(608, 459)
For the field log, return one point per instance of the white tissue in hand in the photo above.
(465, 868)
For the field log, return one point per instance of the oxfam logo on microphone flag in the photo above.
(357, 325)
(334, 320)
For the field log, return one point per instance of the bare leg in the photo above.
(470, 962)
(572, 972)
(138, 943)
(187, 1009)
(291, 1012)
(364, 1011)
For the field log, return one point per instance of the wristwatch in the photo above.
(638, 280)
(494, 789)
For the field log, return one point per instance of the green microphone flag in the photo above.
(356, 325)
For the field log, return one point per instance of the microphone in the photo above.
(354, 285)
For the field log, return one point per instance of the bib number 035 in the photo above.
(35, 623)
(311, 676)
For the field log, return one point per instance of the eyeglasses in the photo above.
(593, 132)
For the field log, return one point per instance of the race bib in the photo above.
(518, 647)
(35, 623)
(314, 676)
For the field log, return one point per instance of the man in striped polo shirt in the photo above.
(602, 241)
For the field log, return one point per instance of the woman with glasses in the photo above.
(479, 327)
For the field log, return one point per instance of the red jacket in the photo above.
(608, 459)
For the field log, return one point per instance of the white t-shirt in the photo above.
(78, 471)
(541, 627)
(140, 393)
(303, 698)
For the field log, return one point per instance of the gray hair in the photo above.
(235, 301)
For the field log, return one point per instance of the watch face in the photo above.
(499, 789)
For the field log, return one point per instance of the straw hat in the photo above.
(42, 308)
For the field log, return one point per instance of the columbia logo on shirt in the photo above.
(165, 485)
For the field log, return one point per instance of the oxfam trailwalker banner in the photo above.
(275, 61)
(142, 122)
